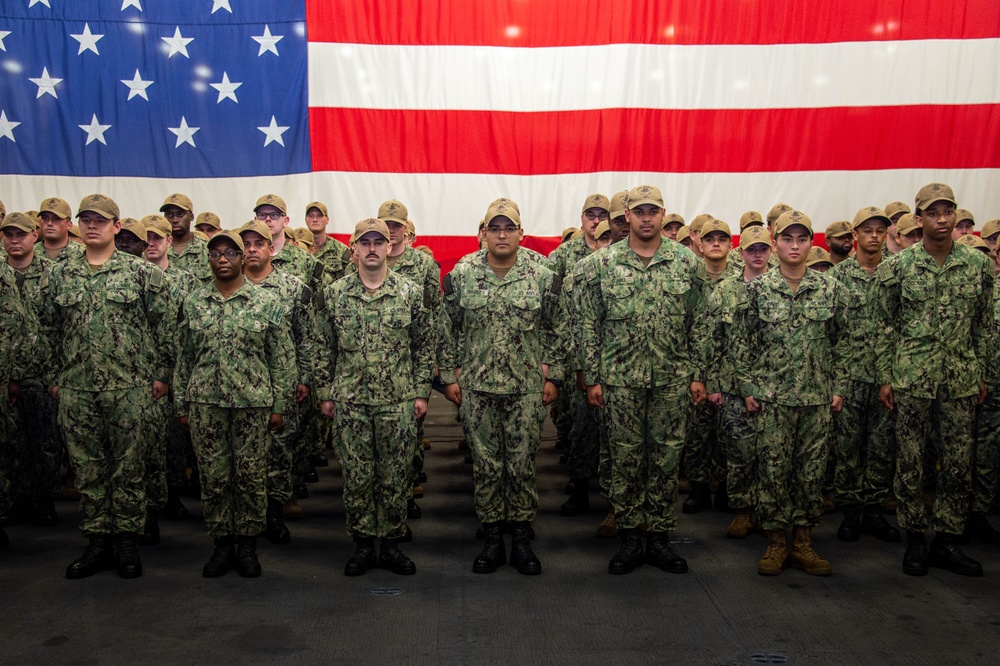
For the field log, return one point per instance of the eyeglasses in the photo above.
(230, 255)
(275, 215)
(596, 216)
(496, 231)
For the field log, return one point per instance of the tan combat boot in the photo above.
(803, 556)
(741, 525)
(608, 529)
(776, 554)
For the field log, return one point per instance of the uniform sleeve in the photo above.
(591, 324)
(843, 353)
(13, 326)
(50, 328)
(280, 365)
(709, 332)
(186, 355)
(745, 341)
(695, 311)
(305, 336)
(555, 328)
(423, 339)
(886, 316)
(161, 313)
(982, 325)
(450, 330)
(323, 369)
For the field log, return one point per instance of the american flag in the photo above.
(726, 105)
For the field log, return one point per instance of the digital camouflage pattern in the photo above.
(564, 257)
(296, 261)
(335, 258)
(231, 446)
(738, 432)
(861, 289)
(15, 319)
(194, 259)
(67, 251)
(369, 331)
(986, 436)
(502, 331)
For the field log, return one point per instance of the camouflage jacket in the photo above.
(993, 376)
(934, 325)
(234, 352)
(194, 259)
(564, 257)
(28, 283)
(296, 261)
(789, 344)
(715, 331)
(335, 257)
(861, 289)
(15, 322)
(636, 321)
(106, 329)
(68, 250)
(300, 317)
(503, 331)
(382, 344)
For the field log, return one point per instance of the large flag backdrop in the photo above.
(727, 105)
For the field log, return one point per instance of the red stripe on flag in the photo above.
(656, 140)
(545, 23)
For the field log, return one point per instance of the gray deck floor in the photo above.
(303, 609)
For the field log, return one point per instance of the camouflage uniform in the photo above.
(502, 332)
(635, 326)
(585, 442)
(986, 459)
(934, 348)
(16, 320)
(235, 368)
(864, 433)
(109, 331)
(788, 358)
(737, 428)
(67, 251)
(381, 360)
(335, 258)
(194, 259)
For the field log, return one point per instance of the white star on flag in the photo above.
(46, 84)
(178, 43)
(131, 3)
(227, 89)
(88, 40)
(3, 33)
(7, 127)
(273, 132)
(95, 131)
(267, 41)
(136, 86)
(184, 133)
(221, 4)
(35, 2)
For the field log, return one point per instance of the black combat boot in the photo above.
(945, 554)
(521, 556)
(222, 560)
(151, 533)
(364, 557)
(174, 509)
(127, 556)
(850, 526)
(275, 530)
(247, 564)
(494, 552)
(978, 527)
(579, 498)
(392, 558)
(97, 556)
(915, 558)
(699, 499)
(660, 555)
(874, 524)
(629, 556)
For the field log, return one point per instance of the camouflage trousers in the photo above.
(156, 462)
(950, 424)
(309, 439)
(738, 439)
(562, 415)
(180, 453)
(986, 458)
(281, 456)
(646, 431)
(703, 459)
(8, 430)
(37, 445)
(231, 445)
(585, 437)
(504, 432)
(865, 447)
(793, 444)
(107, 438)
(375, 454)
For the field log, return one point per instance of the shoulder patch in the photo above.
(590, 271)
(306, 295)
(885, 273)
(557, 284)
(449, 289)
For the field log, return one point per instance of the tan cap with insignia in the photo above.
(271, 200)
(100, 204)
(755, 234)
(157, 224)
(818, 255)
(20, 221)
(750, 218)
(684, 233)
(869, 213)
(790, 219)
(715, 225)
(180, 200)
(393, 211)
(56, 205)
(199, 234)
(962, 215)
(644, 194)
(618, 204)
(602, 228)
(370, 224)
(304, 236)
(211, 219)
(672, 218)
(229, 234)
(506, 201)
(776, 212)
(699, 221)
(596, 201)
(906, 224)
(838, 229)
(135, 227)
(991, 228)
(973, 241)
(896, 207)
(318, 205)
(934, 192)
(568, 233)
(256, 227)
(503, 210)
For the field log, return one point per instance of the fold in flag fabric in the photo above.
(726, 105)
